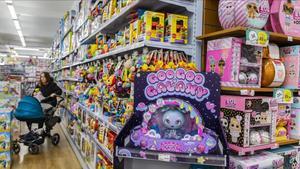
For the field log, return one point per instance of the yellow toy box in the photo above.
(135, 31)
(176, 29)
(153, 26)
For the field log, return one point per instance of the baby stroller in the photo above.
(30, 111)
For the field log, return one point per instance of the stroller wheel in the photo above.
(55, 139)
(16, 147)
(33, 149)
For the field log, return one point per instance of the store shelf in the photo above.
(80, 25)
(101, 118)
(69, 79)
(163, 45)
(280, 39)
(246, 91)
(212, 160)
(75, 149)
(118, 20)
(260, 125)
(104, 149)
(288, 142)
(66, 33)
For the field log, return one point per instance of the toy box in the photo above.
(295, 120)
(5, 160)
(262, 160)
(249, 121)
(291, 57)
(283, 122)
(175, 111)
(284, 17)
(290, 155)
(176, 28)
(135, 31)
(250, 13)
(153, 26)
(238, 65)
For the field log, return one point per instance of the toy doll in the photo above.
(173, 120)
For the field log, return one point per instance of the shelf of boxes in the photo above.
(114, 24)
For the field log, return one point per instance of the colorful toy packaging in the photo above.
(176, 29)
(175, 111)
(237, 64)
(295, 120)
(248, 122)
(290, 155)
(153, 26)
(5, 160)
(291, 56)
(285, 17)
(250, 13)
(262, 160)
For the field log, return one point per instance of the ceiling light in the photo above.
(17, 24)
(12, 11)
(27, 49)
(8, 1)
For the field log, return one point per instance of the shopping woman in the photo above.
(46, 91)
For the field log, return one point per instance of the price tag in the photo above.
(290, 39)
(287, 96)
(164, 157)
(257, 37)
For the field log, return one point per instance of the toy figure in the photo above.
(221, 65)
(212, 64)
(252, 10)
(173, 120)
(235, 128)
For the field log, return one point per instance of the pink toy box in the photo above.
(238, 65)
(295, 118)
(250, 13)
(262, 160)
(285, 17)
(249, 122)
(291, 57)
(290, 155)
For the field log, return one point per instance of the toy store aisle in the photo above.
(50, 157)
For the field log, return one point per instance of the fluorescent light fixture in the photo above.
(8, 1)
(26, 49)
(12, 11)
(17, 24)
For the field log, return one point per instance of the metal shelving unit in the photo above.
(118, 21)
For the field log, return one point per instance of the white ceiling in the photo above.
(39, 20)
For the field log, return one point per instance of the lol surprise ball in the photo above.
(255, 138)
(173, 121)
(235, 128)
(250, 13)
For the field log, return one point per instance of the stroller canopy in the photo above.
(29, 108)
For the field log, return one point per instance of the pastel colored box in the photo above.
(262, 160)
(291, 57)
(238, 65)
(248, 121)
(290, 155)
(295, 121)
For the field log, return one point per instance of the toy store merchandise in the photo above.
(249, 122)
(291, 156)
(273, 69)
(238, 64)
(295, 120)
(250, 13)
(260, 160)
(185, 121)
(291, 56)
(284, 17)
